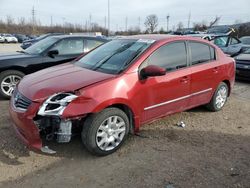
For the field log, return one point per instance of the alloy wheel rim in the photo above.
(110, 133)
(221, 97)
(9, 83)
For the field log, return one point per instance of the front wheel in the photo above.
(103, 133)
(8, 81)
(219, 98)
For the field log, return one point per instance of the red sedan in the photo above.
(114, 89)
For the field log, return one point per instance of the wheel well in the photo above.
(20, 69)
(228, 85)
(128, 112)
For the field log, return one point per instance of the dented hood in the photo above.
(67, 77)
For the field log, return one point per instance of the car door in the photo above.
(205, 72)
(167, 94)
(68, 49)
(234, 46)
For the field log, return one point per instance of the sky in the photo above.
(82, 11)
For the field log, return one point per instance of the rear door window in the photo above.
(172, 56)
(69, 46)
(201, 53)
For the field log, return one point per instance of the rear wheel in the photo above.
(219, 98)
(8, 82)
(105, 132)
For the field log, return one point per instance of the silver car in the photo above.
(245, 42)
(228, 44)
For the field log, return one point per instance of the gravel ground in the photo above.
(4, 48)
(211, 151)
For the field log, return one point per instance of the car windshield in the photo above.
(245, 40)
(220, 41)
(40, 46)
(113, 57)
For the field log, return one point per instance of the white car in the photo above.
(9, 38)
(1, 39)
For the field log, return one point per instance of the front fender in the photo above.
(82, 106)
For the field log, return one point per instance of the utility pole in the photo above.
(126, 24)
(105, 22)
(33, 18)
(63, 19)
(139, 22)
(168, 22)
(189, 18)
(51, 21)
(90, 22)
(108, 17)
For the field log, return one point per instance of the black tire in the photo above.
(91, 126)
(212, 106)
(5, 74)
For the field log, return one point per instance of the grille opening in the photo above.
(20, 101)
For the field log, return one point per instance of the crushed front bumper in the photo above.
(24, 125)
(27, 128)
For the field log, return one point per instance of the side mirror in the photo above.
(151, 71)
(52, 53)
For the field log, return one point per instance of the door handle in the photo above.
(184, 79)
(215, 70)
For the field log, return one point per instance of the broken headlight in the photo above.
(56, 104)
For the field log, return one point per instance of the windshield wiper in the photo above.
(21, 51)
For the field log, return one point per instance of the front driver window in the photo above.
(69, 46)
(171, 56)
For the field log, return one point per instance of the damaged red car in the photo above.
(114, 89)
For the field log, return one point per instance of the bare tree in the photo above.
(202, 26)
(180, 26)
(214, 22)
(9, 20)
(151, 23)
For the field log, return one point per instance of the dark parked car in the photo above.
(28, 43)
(45, 53)
(117, 87)
(21, 37)
(243, 65)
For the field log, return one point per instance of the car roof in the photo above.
(156, 37)
(78, 36)
(161, 37)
